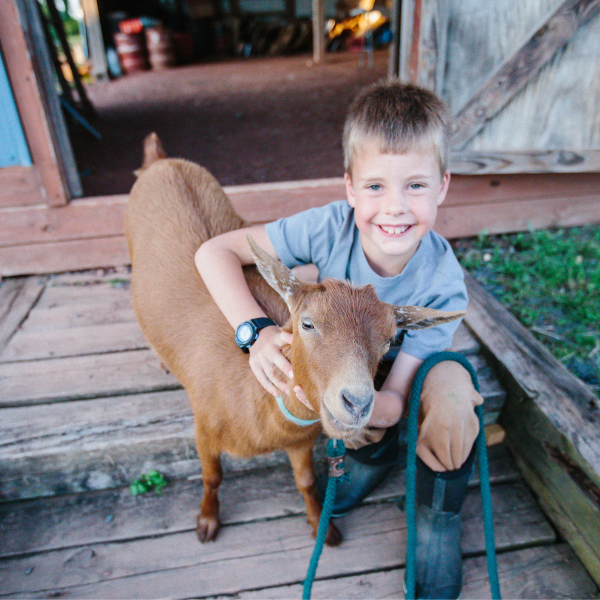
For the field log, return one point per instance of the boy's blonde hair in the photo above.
(402, 117)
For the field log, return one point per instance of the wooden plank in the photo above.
(26, 89)
(114, 514)
(500, 202)
(74, 321)
(538, 161)
(541, 572)
(117, 373)
(85, 218)
(104, 216)
(515, 72)
(80, 341)
(250, 555)
(17, 297)
(573, 511)
(431, 54)
(550, 420)
(71, 255)
(20, 186)
(504, 217)
(532, 374)
(94, 376)
(64, 448)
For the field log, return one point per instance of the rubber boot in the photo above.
(440, 496)
(365, 469)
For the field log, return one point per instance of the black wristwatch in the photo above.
(247, 333)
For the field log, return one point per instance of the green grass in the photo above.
(550, 280)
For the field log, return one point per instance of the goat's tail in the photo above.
(153, 151)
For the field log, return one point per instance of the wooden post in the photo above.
(95, 42)
(318, 18)
(32, 110)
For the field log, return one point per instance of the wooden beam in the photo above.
(534, 376)
(514, 73)
(540, 161)
(430, 52)
(318, 21)
(89, 233)
(29, 102)
(20, 186)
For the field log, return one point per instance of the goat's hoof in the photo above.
(333, 537)
(207, 528)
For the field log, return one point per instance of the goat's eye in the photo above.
(307, 324)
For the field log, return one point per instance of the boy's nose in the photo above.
(396, 204)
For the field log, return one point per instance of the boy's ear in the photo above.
(444, 188)
(415, 317)
(349, 190)
(276, 274)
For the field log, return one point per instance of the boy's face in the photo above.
(395, 199)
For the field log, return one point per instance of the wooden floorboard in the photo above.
(85, 408)
(258, 554)
(110, 515)
(539, 572)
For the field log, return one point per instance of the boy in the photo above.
(395, 159)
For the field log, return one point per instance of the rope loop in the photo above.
(411, 476)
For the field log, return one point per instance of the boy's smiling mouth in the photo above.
(394, 230)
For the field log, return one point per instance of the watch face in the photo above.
(244, 333)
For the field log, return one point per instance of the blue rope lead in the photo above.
(335, 452)
(411, 477)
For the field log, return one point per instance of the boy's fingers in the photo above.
(282, 363)
(286, 337)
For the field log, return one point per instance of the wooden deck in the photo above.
(85, 409)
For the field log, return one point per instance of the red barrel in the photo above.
(131, 48)
(161, 49)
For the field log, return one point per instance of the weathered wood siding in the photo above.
(557, 109)
(522, 80)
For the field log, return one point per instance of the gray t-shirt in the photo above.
(328, 238)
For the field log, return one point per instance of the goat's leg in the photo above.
(306, 482)
(212, 476)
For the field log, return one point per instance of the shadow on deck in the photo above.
(85, 409)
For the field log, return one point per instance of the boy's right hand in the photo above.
(266, 359)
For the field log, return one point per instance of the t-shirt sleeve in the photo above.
(449, 296)
(307, 237)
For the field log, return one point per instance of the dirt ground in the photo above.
(245, 120)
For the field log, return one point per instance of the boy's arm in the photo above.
(219, 262)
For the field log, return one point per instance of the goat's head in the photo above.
(340, 333)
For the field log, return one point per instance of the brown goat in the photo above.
(340, 333)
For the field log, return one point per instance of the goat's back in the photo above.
(174, 207)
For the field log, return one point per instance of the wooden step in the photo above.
(49, 447)
(112, 515)
(255, 555)
(84, 402)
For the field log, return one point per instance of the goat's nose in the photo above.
(357, 404)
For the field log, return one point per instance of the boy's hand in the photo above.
(369, 435)
(266, 359)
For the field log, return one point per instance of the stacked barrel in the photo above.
(140, 48)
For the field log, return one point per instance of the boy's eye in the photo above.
(375, 187)
(416, 186)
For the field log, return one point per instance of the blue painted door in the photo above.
(13, 147)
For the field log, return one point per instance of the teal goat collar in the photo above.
(290, 417)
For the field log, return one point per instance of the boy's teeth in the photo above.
(395, 230)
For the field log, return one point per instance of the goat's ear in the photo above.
(415, 317)
(277, 275)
